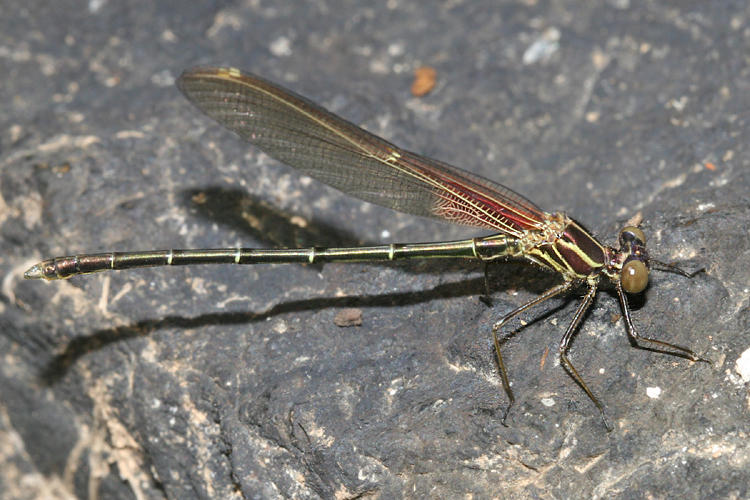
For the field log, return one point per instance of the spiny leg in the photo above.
(663, 266)
(486, 298)
(501, 366)
(588, 299)
(661, 345)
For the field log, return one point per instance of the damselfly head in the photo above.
(634, 271)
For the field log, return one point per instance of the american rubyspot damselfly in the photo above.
(302, 134)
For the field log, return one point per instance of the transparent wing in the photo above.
(298, 132)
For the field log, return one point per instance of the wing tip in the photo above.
(198, 72)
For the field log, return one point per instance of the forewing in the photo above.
(298, 132)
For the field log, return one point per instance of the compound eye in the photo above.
(632, 233)
(634, 276)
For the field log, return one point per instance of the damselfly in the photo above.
(298, 132)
